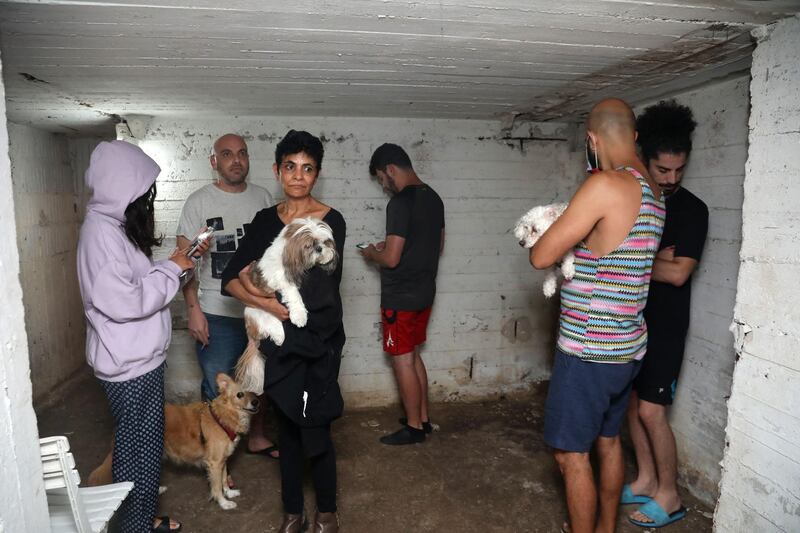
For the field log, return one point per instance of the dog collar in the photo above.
(231, 434)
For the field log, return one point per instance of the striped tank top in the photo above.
(602, 305)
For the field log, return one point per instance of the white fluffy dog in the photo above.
(301, 245)
(530, 227)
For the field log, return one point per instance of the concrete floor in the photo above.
(486, 469)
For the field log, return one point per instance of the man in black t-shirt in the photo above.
(665, 131)
(409, 260)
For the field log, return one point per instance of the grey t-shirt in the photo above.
(230, 215)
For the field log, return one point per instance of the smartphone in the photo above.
(200, 239)
(362, 245)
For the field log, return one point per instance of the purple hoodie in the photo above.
(125, 295)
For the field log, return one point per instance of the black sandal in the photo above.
(266, 452)
(163, 527)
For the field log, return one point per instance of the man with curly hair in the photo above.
(665, 140)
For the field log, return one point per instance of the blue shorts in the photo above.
(585, 400)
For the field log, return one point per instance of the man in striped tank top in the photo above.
(614, 223)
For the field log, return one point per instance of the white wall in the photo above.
(484, 281)
(715, 174)
(760, 488)
(48, 212)
(22, 503)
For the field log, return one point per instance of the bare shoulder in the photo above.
(608, 184)
(615, 178)
(617, 182)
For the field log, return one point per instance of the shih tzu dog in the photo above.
(530, 227)
(303, 244)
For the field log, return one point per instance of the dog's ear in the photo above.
(551, 213)
(295, 253)
(330, 266)
(223, 382)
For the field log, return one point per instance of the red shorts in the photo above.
(404, 330)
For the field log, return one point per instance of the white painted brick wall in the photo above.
(715, 174)
(47, 215)
(22, 502)
(760, 487)
(484, 278)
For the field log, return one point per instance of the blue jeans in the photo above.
(226, 341)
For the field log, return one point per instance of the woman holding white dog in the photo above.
(301, 374)
(125, 298)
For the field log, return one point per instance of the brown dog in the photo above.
(204, 435)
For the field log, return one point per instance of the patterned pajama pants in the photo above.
(138, 409)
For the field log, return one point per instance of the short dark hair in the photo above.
(665, 127)
(300, 141)
(388, 154)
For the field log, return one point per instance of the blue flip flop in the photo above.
(658, 515)
(628, 497)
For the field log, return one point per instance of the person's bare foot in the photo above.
(670, 504)
(640, 487)
(261, 445)
(174, 525)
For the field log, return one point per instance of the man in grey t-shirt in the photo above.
(215, 321)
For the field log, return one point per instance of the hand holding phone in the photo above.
(198, 241)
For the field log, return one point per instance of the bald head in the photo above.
(231, 160)
(613, 120)
(226, 140)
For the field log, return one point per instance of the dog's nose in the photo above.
(318, 249)
(254, 402)
(522, 243)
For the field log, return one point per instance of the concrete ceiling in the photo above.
(72, 65)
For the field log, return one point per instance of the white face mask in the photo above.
(591, 167)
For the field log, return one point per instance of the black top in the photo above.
(309, 358)
(417, 214)
(686, 226)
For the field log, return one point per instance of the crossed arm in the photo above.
(672, 270)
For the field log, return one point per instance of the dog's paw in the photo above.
(278, 336)
(231, 493)
(568, 266)
(549, 287)
(227, 505)
(299, 317)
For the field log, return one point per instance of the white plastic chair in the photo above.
(75, 509)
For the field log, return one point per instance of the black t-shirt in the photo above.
(417, 214)
(667, 311)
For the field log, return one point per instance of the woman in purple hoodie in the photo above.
(126, 300)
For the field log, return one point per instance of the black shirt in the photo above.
(417, 214)
(309, 358)
(686, 226)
